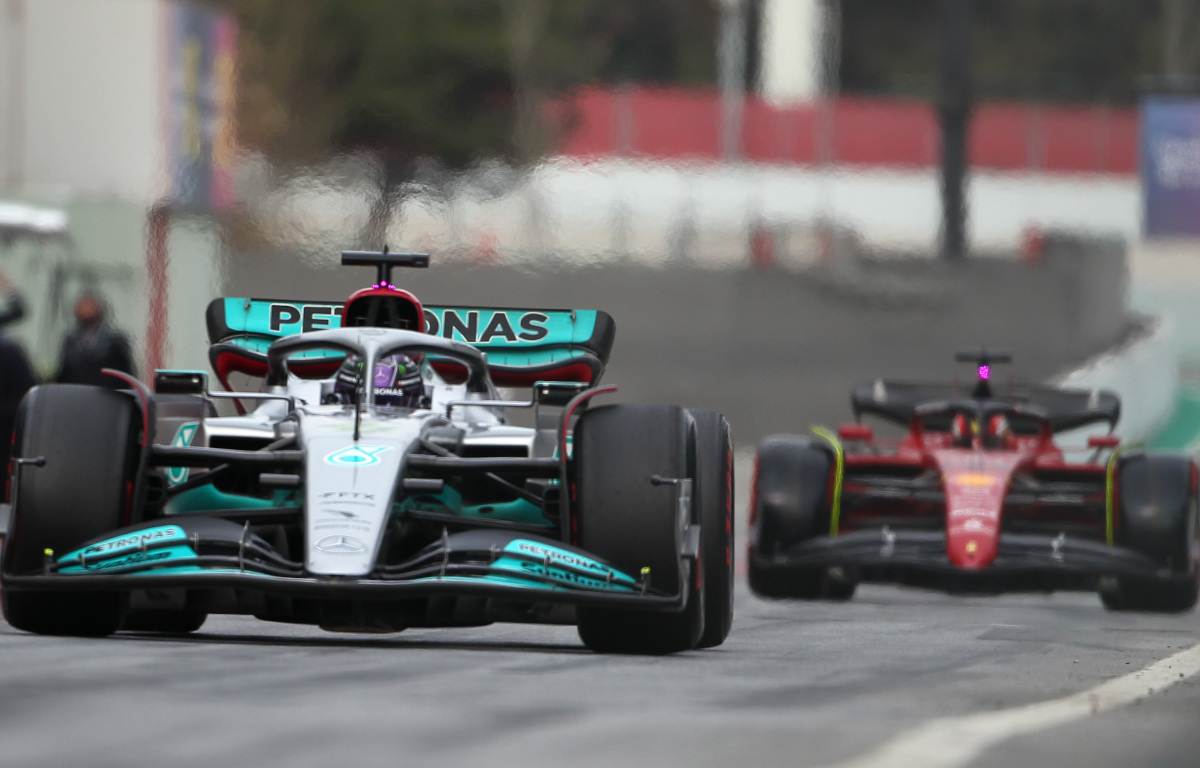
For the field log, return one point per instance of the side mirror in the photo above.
(856, 433)
(1103, 441)
(180, 382)
(556, 393)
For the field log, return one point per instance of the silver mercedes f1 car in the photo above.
(330, 501)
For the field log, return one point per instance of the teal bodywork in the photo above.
(511, 337)
(165, 550)
(183, 438)
(131, 552)
(450, 501)
(606, 578)
(206, 498)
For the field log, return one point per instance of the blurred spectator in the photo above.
(14, 305)
(16, 377)
(92, 347)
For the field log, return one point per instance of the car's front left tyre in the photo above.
(714, 495)
(630, 521)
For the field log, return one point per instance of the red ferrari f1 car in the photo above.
(977, 496)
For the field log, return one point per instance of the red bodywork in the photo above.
(386, 292)
(971, 489)
(975, 483)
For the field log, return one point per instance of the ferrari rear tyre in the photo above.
(1159, 519)
(792, 505)
(89, 438)
(630, 522)
(714, 495)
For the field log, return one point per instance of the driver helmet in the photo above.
(962, 431)
(396, 379)
(999, 432)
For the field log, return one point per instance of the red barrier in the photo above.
(677, 124)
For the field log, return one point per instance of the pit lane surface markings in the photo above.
(953, 742)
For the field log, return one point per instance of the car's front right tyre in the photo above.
(791, 505)
(1158, 518)
(89, 439)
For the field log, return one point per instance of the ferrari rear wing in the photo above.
(897, 402)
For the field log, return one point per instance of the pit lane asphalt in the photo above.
(796, 684)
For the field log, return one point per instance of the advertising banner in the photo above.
(1170, 166)
(201, 72)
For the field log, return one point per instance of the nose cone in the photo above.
(972, 544)
(975, 484)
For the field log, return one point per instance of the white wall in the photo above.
(620, 209)
(790, 44)
(89, 115)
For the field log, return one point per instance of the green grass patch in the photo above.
(1182, 429)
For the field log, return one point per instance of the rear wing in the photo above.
(523, 346)
(896, 401)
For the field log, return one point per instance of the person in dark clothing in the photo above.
(92, 347)
(16, 376)
(14, 306)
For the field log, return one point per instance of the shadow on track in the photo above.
(201, 638)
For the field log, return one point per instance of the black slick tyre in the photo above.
(630, 522)
(714, 496)
(89, 438)
(1158, 518)
(168, 622)
(791, 505)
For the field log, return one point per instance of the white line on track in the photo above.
(953, 742)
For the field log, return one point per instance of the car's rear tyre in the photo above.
(792, 505)
(170, 622)
(714, 495)
(1158, 519)
(630, 522)
(89, 438)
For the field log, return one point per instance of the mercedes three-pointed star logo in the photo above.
(341, 545)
